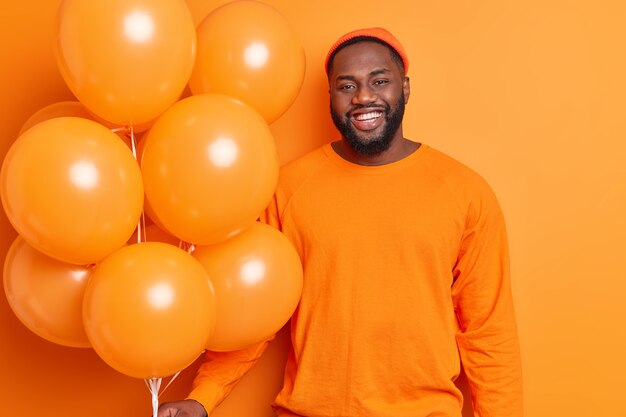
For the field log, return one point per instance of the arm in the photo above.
(220, 372)
(481, 292)
(216, 378)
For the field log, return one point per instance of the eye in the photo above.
(380, 82)
(345, 87)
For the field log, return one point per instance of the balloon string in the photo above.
(186, 246)
(141, 224)
(154, 386)
(171, 380)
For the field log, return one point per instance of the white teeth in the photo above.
(368, 116)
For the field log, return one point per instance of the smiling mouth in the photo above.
(368, 116)
(368, 120)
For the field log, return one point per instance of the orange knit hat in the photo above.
(377, 33)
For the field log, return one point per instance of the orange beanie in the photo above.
(377, 33)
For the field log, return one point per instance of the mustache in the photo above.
(369, 106)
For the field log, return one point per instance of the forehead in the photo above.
(363, 57)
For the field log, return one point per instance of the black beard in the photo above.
(377, 145)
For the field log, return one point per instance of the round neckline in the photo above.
(336, 159)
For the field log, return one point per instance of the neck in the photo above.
(399, 149)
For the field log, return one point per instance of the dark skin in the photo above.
(365, 74)
(185, 408)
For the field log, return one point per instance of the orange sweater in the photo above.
(406, 275)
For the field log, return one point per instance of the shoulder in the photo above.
(455, 173)
(297, 172)
(309, 160)
(470, 190)
(293, 179)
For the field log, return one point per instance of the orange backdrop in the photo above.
(528, 93)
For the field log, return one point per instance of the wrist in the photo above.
(199, 407)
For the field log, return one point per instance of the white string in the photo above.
(132, 141)
(171, 380)
(141, 225)
(154, 386)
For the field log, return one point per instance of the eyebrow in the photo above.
(371, 74)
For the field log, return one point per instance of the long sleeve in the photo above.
(487, 340)
(220, 372)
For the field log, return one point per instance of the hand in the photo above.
(185, 408)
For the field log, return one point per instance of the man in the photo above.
(406, 266)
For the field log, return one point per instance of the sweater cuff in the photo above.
(208, 394)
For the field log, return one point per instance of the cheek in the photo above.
(392, 98)
(339, 104)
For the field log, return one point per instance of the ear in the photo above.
(406, 88)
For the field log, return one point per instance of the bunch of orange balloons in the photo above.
(86, 269)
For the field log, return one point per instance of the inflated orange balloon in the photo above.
(60, 109)
(46, 294)
(72, 189)
(210, 167)
(257, 278)
(77, 109)
(149, 310)
(248, 50)
(125, 60)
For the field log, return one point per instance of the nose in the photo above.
(364, 95)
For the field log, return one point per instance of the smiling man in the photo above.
(405, 261)
(367, 105)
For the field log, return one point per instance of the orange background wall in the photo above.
(529, 93)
